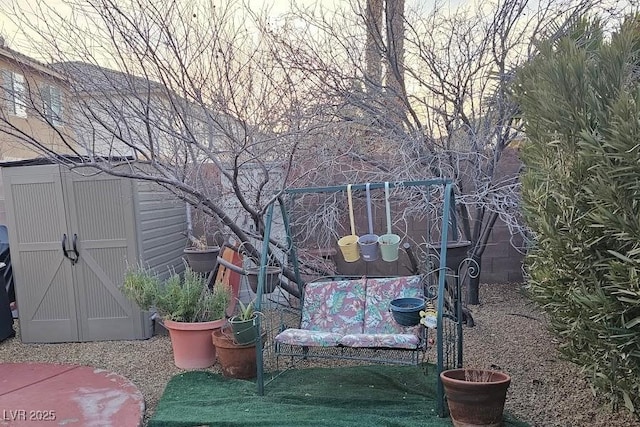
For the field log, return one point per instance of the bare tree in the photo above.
(373, 59)
(184, 94)
(446, 110)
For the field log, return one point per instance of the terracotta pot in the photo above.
(191, 343)
(202, 261)
(236, 361)
(475, 403)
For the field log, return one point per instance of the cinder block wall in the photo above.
(501, 263)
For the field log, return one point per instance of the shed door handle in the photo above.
(64, 246)
(75, 248)
(73, 259)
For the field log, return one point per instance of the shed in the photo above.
(71, 238)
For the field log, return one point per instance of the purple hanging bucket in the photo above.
(369, 242)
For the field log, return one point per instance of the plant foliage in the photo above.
(181, 299)
(580, 102)
(246, 312)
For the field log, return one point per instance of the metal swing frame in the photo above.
(449, 315)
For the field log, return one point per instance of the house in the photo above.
(33, 99)
(118, 113)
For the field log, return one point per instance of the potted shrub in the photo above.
(244, 324)
(200, 256)
(475, 396)
(189, 310)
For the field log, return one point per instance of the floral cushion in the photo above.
(355, 313)
(380, 292)
(334, 306)
(407, 341)
(303, 337)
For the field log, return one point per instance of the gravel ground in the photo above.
(510, 333)
(545, 391)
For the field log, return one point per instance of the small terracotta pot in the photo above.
(191, 343)
(236, 361)
(475, 403)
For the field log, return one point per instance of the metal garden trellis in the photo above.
(444, 361)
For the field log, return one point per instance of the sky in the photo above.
(15, 40)
(12, 33)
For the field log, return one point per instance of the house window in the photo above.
(14, 93)
(52, 104)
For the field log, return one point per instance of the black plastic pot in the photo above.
(406, 311)
(456, 253)
(271, 282)
(202, 260)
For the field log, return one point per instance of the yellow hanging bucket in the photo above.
(349, 244)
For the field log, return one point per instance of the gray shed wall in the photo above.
(162, 228)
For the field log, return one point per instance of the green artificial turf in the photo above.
(345, 396)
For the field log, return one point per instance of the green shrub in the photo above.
(181, 299)
(580, 101)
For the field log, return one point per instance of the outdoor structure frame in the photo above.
(448, 305)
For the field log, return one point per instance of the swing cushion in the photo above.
(334, 306)
(404, 341)
(306, 338)
(355, 313)
(331, 310)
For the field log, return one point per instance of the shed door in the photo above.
(101, 213)
(43, 277)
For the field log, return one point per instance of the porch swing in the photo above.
(349, 317)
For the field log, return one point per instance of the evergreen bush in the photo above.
(580, 102)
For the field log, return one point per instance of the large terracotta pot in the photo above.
(191, 343)
(475, 403)
(236, 361)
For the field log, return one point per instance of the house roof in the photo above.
(63, 158)
(94, 78)
(22, 60)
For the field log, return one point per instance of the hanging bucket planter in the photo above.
(389, 243)
(349, 244)
(272, 278)
(369, 242)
